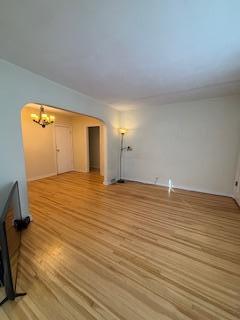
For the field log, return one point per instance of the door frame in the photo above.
(101, 148)
(55, 143)
(236, 190)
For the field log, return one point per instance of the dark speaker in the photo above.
(21, 224)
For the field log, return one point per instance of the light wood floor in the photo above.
(129, 251)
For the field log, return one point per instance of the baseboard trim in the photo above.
(237, 201)
(181, 188)
(42, 176)
(80, 170)
(108, 182)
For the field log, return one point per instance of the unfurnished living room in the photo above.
(120, 160)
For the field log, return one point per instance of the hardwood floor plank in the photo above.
(129, 251)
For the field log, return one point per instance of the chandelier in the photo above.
(42, 119)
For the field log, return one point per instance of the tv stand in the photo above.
(1, 271)
(16, 296)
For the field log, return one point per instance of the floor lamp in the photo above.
(122, 132)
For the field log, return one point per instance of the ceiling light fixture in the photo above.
(42, 119)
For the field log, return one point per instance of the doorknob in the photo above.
(58, 150)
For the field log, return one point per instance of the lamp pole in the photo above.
(122, 131)
(121, 153)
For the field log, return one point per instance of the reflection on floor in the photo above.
(129, 251)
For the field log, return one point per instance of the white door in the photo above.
(237, 183)
(64, 148)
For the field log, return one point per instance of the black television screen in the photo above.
(10, 242)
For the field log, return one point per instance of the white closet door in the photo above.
(237, 183)
(64, 148)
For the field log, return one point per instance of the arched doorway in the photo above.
(43, 154)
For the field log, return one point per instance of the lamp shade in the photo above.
(123, 130)
(34, 116)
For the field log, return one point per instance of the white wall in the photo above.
(195, 144)
(19, 87)
(38, 145)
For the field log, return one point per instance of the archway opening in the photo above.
(63, 146)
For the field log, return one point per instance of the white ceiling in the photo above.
(127, 53)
